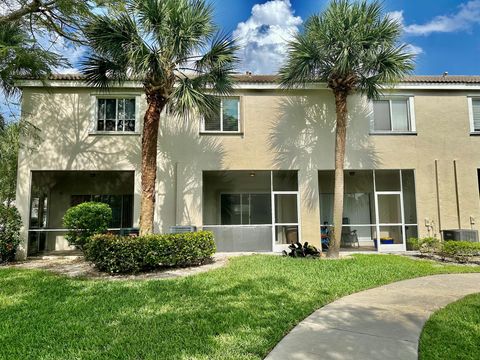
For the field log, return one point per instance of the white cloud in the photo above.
(413, 49)
(398, 15)
(263, 37)
(467, 16)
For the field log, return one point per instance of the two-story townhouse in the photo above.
(260, 173)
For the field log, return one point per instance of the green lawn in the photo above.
(453, 332)
(237, 312)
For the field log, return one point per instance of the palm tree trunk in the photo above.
(151, 123)
(340, 139)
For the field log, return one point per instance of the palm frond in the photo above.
(103, 72)
(354, 44)
(222, 53)
(169, 45)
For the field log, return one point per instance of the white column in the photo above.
(22, 202)
(309, 206)
(137, 198)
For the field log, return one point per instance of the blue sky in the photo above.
(446, 33)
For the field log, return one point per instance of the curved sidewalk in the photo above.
(381, 323)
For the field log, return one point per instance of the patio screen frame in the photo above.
(377, 225)
(273, 224)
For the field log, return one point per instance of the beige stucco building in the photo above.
(260, 173)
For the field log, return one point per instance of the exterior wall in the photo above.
(280, 130)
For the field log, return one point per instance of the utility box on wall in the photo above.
(180, 229)
(460, 235)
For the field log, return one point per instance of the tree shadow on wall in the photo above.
(65, 142)
(182, 155)
(303, 138)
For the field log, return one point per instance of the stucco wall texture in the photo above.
(280, 130)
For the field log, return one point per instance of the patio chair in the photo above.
(349, 236)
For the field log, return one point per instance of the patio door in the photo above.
(285, 216)
(390, 229)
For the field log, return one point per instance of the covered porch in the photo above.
(379, 209)
(251, 210)
(54, 192)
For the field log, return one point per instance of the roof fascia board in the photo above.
(245, 86)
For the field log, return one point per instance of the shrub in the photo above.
(125, 254)
(428, 245)
(412, 244)
(10, 223)
(86, 220)
(461, 251)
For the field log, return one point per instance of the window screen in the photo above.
(476, 114)
(381, 114)
(227, 119)
(391, 115)
(399, 115)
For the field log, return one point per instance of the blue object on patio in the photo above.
(383, 242)
(325, 236)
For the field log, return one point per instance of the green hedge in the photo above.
(126, 254)
(10, 223)
(461, 251)
(428, 245)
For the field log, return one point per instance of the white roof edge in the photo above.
(245, 86)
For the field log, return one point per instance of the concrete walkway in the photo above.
(381, 323)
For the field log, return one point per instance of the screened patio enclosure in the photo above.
(251, 210)
(54, 192)
(379, 209)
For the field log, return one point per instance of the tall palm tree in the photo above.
(352, 47)
(174, 49)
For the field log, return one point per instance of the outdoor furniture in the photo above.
(349, 236)
(325, 237)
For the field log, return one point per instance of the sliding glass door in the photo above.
(390, 232)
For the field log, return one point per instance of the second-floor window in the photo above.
(227, 119)
(116, 115)
(475, 114)
(393, 115)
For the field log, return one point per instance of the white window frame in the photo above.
(470, 114)
(276, 246)
(119, 96)
(221, 131)
(410, 113)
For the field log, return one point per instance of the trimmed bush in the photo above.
(126, 254)
(412, 244)
(426, 246)
(461, 251)
(86, 220)
(10, 223)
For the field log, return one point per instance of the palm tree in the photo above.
(352, 47)
(174, 49)
(21, 57)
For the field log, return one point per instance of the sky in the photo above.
(445, 34)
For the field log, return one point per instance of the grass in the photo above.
(454, 332)
(237, 312)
